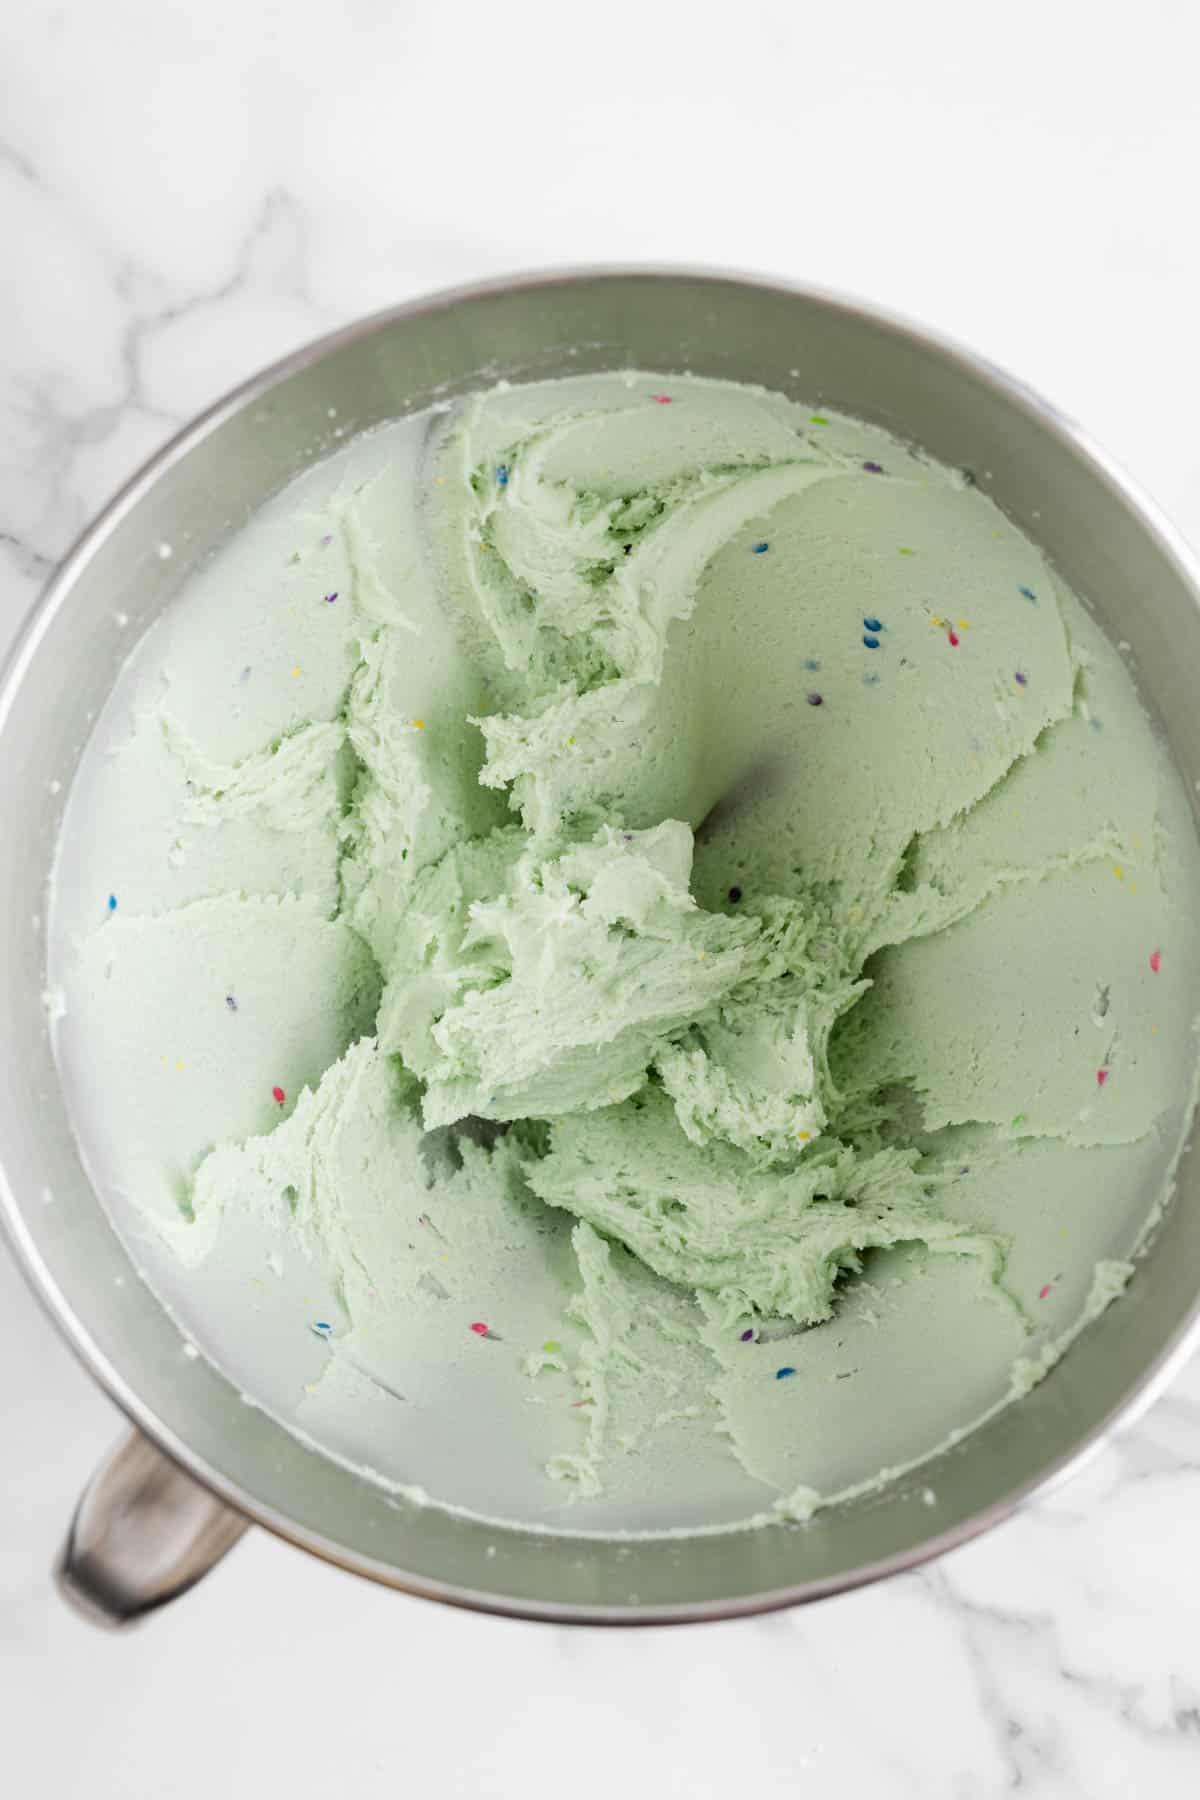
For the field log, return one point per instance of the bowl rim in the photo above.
(55, 595)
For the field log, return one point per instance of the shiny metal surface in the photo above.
(1106, 540)
(143, 1533)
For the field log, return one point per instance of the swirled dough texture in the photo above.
(721, 884)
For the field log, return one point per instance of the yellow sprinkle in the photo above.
(484, 546)
(179, 1066)
(702, 956)
(310, 1387)
(296, 672)
(1154, 1031)
(1133, 887)
(803, 1134)
(418, 724)
(934, 620)
(964, 625)
(1118, 872)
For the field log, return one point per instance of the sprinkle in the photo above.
(1021, 680)
(818, 419)
(1044, 1291)
(952, 638)
(231, 1003)
(278, 1095)
(816, 699)
(112, 903)
(244, 677)
(418, 724)
(1027, 593)
(760, 549)
(812, 663)
(905, 551)
(1118, 871)
(747, 1335)
(321, 1327)
(804, 1136)
(782, 1374)
(1156, 960)
(870, 640)
(480, 1329)
(179, 1066)
(327, 540)
(936, 619)
(1101, 1077)
(873, 468)
(330, 598)
(872, 624)
(1018, 1119)
(501, 475)
(661, 399)
(551, 1346)
(296, 672)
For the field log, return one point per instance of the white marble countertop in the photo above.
(188, 191)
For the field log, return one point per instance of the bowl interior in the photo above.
(1105, 545)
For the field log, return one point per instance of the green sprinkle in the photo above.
(818, 419)
(551, 1347)
(1019, 1119)
(906, 552)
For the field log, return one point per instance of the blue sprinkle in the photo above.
(1027, 593)
(758, 549)
(812, 663)
(112, 903)
(501, 475)
(872, 624)
(322, 1327)
(870, 640)
(782, 1374)
(231, 1003)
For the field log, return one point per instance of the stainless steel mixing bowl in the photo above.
(201, 1462)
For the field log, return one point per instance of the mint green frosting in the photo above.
(729, 864)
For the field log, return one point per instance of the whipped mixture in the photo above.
(628, 956)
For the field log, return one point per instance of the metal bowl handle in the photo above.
(143, 1532)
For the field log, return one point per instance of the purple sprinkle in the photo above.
(330, 598)
(782, 1374)
(816, 699)
(327, 540)
(873, 468)
(747, 1335)
(735, 894)
(1022, 680)
(231, 1003)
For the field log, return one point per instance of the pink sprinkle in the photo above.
(1156, 960)
(278, 1095)
(953, 636)
(661, 399)
(1101, 1077)
(479, 1328)
(1042, 1292)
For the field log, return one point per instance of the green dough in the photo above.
(727, 923)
